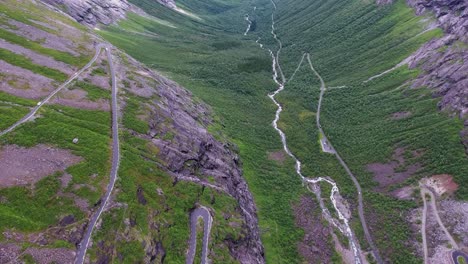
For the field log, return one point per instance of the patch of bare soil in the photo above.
(79, 202)
(24, 83)
(36, 57)
(386, 173)
(441, 184)
(48, 40)
(23, 166)
(44, 24)
(278, 156)
(51, 255)
(77, 98)
(400, 115)
(314, 246)
(65, 180)
(101, 81)
(405, 193)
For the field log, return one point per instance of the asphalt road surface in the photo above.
(81, 254)
(204, 214)
(456, 254)
(374, 249)
(46, 100)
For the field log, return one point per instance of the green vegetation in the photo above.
(59, 126)
(26, 63)
(131, 119)
(99, 71)
(199, 240)
(4, 97)
(36, 46)
(94, 93)
(191, 54)
(461, 260)
(349, 42)
(165, 216)
(28, 259)
(28, 210)
(12, 109)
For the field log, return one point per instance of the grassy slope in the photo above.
(349, 42)
(32, 210)
(26, 12)
(36, 209)
(211, 58)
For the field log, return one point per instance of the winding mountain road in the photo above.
(425, 191)
(204, 214)
(423, 226)
(277, 72)
(81, 254)
(323, 88)
(33, 111)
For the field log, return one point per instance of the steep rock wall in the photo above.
(92, 12)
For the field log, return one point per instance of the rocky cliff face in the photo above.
(452, 15)
(178, 128)
(92, 12)
(445, 60)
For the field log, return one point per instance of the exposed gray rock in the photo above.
(169, 3)
(445, 65)
(178, 128)
(92, 12)
(452, 15)
(445, 60)
(384, 2)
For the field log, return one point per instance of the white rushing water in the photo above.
(248, 25)
(335, 190)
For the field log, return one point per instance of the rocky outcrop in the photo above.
(445, 65)
(178, 128)
(168, 3)
(452, 15)
(194, 152)
(92, 12)
(444, 61)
